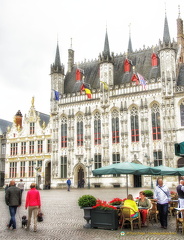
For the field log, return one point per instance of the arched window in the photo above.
(64, 132)
(182, 113)
(155, 115)
(80, 130)
(134, 125)
(115, 127)
(97, 129)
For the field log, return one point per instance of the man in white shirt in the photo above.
(162, 196)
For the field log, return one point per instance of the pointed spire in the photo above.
(130, 50)
(106, 51)
(166, 37)
(57, 58)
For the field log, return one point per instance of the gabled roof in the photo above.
(3, 126)
(43, 118)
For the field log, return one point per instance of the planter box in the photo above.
(106, 219)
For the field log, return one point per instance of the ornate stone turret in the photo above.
(70, 58)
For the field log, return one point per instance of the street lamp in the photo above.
(88, 166)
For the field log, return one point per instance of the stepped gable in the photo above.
(3, 126)
(180, 81)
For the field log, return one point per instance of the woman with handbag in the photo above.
(33, 203)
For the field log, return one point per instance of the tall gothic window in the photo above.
(32, 128)
(64, 132)
(13, 170)
(98, 161)
(80, 130)
(97, 129)
(134, 125)
(155, 115)
(182, 113)
(22, 168)
(63, 167)
(115, 127)
(157, 156)
(115, 158)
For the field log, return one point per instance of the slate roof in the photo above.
(43, 118)
(3, 126)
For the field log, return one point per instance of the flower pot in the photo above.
(87, 216)
(106, 219)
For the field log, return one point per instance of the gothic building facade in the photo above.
(131, 109)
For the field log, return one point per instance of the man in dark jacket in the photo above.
(13, 200)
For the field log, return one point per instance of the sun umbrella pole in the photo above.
(127, 183)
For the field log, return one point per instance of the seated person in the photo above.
(132, 204)
(143, 202)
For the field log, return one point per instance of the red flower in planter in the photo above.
(116, 201)
(103, 205)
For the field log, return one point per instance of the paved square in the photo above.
(63, 218)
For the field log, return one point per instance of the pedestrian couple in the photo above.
(13, 199)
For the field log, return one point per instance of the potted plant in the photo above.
(104, 215)
(86, 202)
(148, 194)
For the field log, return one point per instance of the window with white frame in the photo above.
(80, 137)
(155, 115)
(134, 125)
(13, 170)
(97, 129)
(115, 127)
(157, 156)
(63, 167)
(98, 161)
(182, 113)
(64, 132)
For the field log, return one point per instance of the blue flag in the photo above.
(56, 94)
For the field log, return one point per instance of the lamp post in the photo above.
(149, 163)
(88, 166)
(37, 169)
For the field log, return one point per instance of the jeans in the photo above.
(13, 210)
(163, 212)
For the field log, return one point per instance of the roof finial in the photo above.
(153, 49)
(178, 11)
(165, 8)
(129, 25)
(70, 43)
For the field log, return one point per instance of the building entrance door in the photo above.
(81, 178)
(137, 181)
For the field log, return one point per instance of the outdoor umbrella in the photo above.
(126, 168)
(181, 171)
(167, 170)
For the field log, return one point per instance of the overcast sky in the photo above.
(29, 31)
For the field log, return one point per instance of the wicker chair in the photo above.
(126, 219)
(153, 212)
(180, 221)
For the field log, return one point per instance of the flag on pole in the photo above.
(106, 86)
(142, 80)
(85, 87)
(56, 95)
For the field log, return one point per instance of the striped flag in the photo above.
(142, 80)
(85, 87)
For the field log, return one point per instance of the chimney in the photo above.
(18, 119)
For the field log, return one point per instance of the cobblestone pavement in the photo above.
(63, 219)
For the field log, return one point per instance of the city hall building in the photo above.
(126, 107)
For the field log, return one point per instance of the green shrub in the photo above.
(87, 201)
(148, 193)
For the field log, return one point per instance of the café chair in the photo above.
(126, 218)
(180, 220)
(172, 206)
(153, 212)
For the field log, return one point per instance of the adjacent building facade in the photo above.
(28, 149)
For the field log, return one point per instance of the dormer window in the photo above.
(154, 60)
(127, 65)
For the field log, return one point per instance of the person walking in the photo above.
(68, 182)
(180, 191)
(33, 203)
(162, 196)
(13, 199)
(21, 185)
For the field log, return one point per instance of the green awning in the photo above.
(179, 149)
